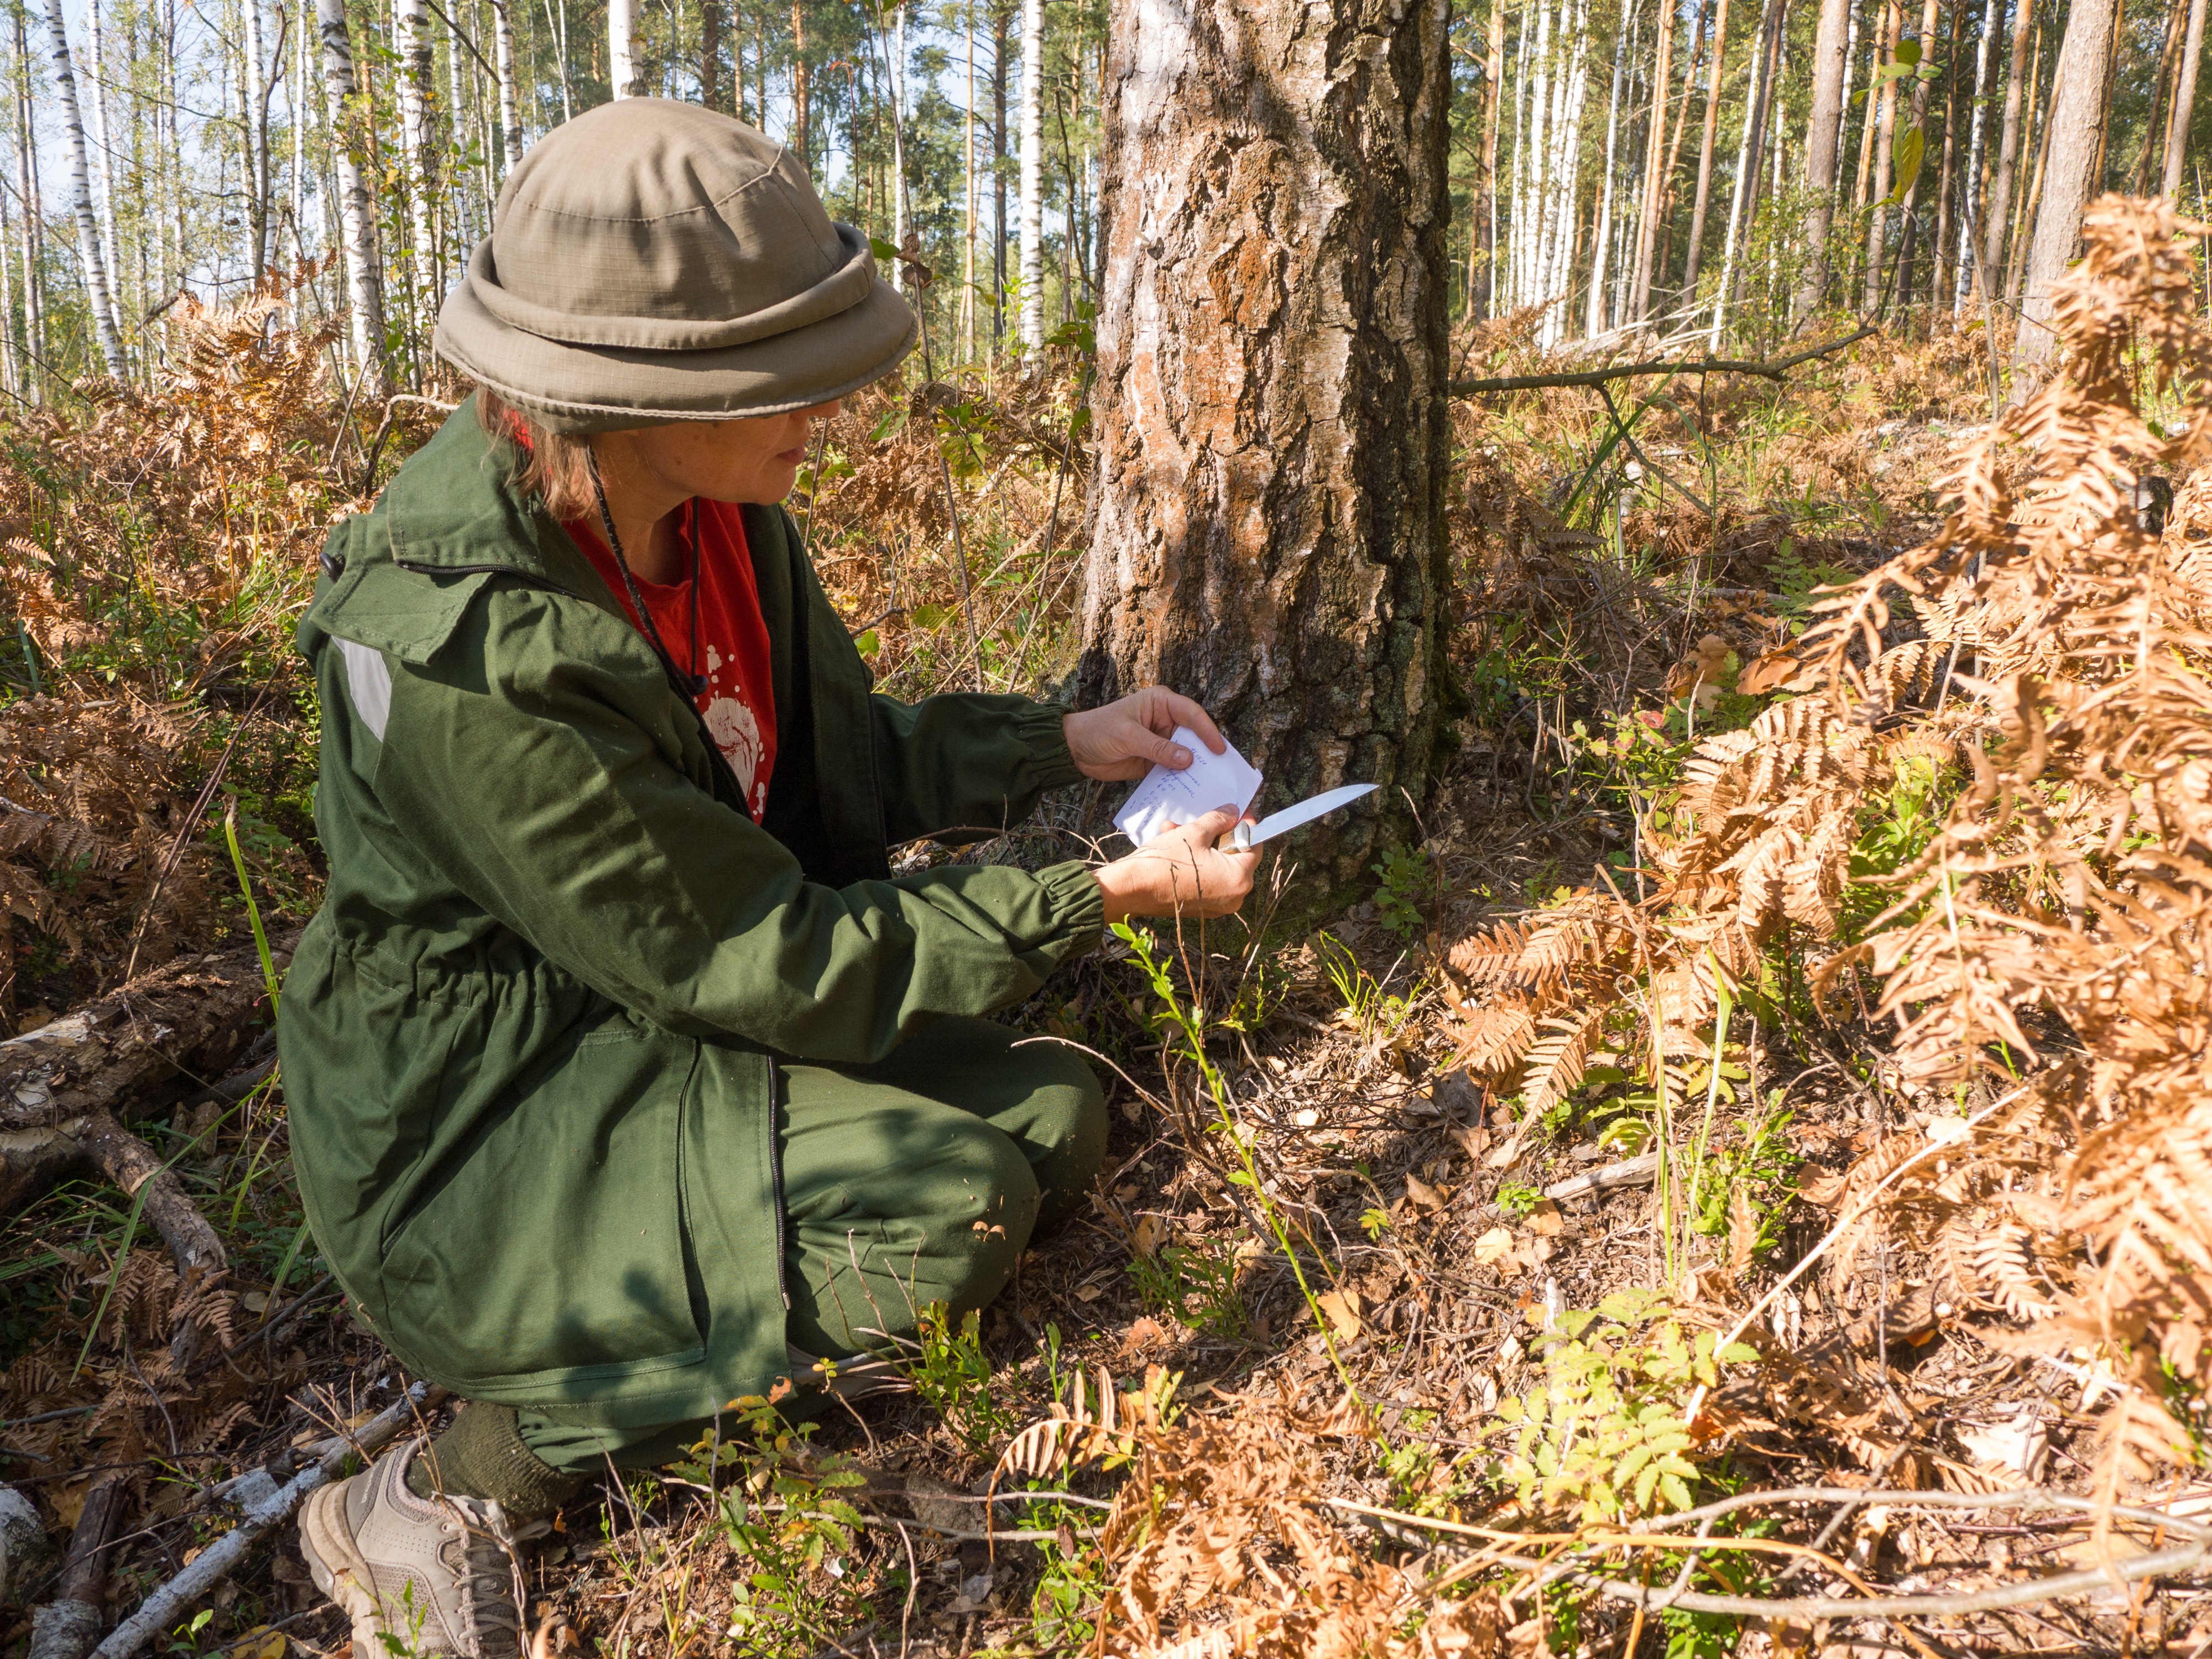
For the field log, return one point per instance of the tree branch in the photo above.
(1773, 370)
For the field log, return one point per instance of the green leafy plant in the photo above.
(1407, 880)
(1516, 1199)
(1196, 1285)
(1603, 1434)
(950, 1371)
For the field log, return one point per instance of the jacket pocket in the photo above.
(550, 1265)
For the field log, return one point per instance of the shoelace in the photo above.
(492, 1584)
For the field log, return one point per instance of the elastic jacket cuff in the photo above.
(1079, 904)
(1039, 726)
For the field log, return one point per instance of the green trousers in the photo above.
(915, 1181)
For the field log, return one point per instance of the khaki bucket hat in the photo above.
(654, 261)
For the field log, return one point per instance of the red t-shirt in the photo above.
(738, 703)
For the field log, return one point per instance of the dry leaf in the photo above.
(1544, 1219)
(259, 1642)
(1494, 1246)
(1342, 1309)
(1743, 1230)
(1826, 1189)
(1088, 1292)
(1509, 1153)
(1145, 1239)
(1770, 670)
(1419, 1193)
(1146, 1329)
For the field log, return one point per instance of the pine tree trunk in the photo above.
(2039, 141)
(1976, 196)
(802, 88)
(622, 47)
(2184, 105)
(356, 213)
(11, 374)
(1908, 241)
(1664, 259)
(1999, 210)
(898, 136)
(1002, 20)
(1823, 129)
(1946, 250)
(1748, 156)
(109, 248)
(1269, 533)
(1697, 253)
(2077, 122)
(1655, 171)
(967, 195)
(1884, 144)
(710, 52)
(100, 299)
(510, 114)
(1483, 296)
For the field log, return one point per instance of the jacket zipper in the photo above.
(775, 1187)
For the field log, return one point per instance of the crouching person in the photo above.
(624, 1077)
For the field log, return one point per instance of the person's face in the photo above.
(756, 459)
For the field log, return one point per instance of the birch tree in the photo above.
(1984, 59)
(1746, 166)
(1598, 316)
(28, 192)
(1032, 185)
(412, 41)
(357, 220)
(1274, 437)
(111, 249)
(1655, 177)
(510, 114)
(2071, 144)
(621, 46)
(98, 298)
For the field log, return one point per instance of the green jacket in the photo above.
(529, 1042)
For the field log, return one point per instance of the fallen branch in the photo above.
(1638, 1172)
(214, 1564)
(1773, 370)
(65, 1628)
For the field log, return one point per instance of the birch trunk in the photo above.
(1975, 199)
(95, 40)
(1269, 536)
(1696, 253)
(622, 47)
(510, 114)
(100, 299)
(1655, 172)
(255, 127)
(897, 44)
(1598, 316)
(2076, 121)
(1493, 92)
(354, 214)
(1823, 129)
(1032, 202)
(1908, 238)
(11, 374)
(710, 52)
(968, 196)
(297, 96)
(2185, 104)
(411, 39)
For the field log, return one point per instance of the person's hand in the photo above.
(1122, 739)
(1181, 872)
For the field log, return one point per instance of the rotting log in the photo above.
(190, 1017)
(67, 1089)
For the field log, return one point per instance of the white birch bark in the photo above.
(1598, 317)
(621, 46)
(1518, 224)
(90, 259)
(109, 247)
(412, 39)
(1992, 16)
(302, 103)
(255, 125)
(355, 223)
(1744, 182)
(1566, 170)
(896, 47)
(1032, 192)
(510, 115)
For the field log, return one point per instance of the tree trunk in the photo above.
(98, 298)
(510, 112)
(802, 88)
(710, 50)
(969, 194)
(2153, 152)
(621, 46)
(1884, 136)
(1742, 199)
(1655, 169)
(412, 40)
(1823, 128)
(2185, 104)
(1664, 259)
(355, 223)
(28, 192)
(1696, 253)
(2072, 144)
(2038, 129)
(1482, 296)
(1598, 315)
(1909, 241)
(255, 129)
(109, 248)
(1032, 204)
(1002, 19)
(1269, 533)
(1978, 147)
(1999, 209)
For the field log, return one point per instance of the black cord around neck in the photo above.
(694, 679)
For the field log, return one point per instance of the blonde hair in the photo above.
(556, 467)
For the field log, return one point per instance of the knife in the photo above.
(1246, 836)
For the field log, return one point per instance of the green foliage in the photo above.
(952, 1373)
(1602, 1435)
(1797, 578)
(1408, 880)
(1762, 1167)
(1196, 1286)
(1516, 1199)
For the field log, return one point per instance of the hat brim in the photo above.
(605, 389)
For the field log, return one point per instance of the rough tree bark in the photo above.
(1830, 50)
(2073, 138)
(1269, 532)
(1655, 167)
(1704, 202)
(2184, 103)
(1998, 213)
(1031, 209)
(510, 114)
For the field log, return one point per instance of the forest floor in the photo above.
(1369, 1343)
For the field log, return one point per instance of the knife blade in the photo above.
(1275, 823)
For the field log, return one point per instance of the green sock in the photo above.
(482, 1456)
